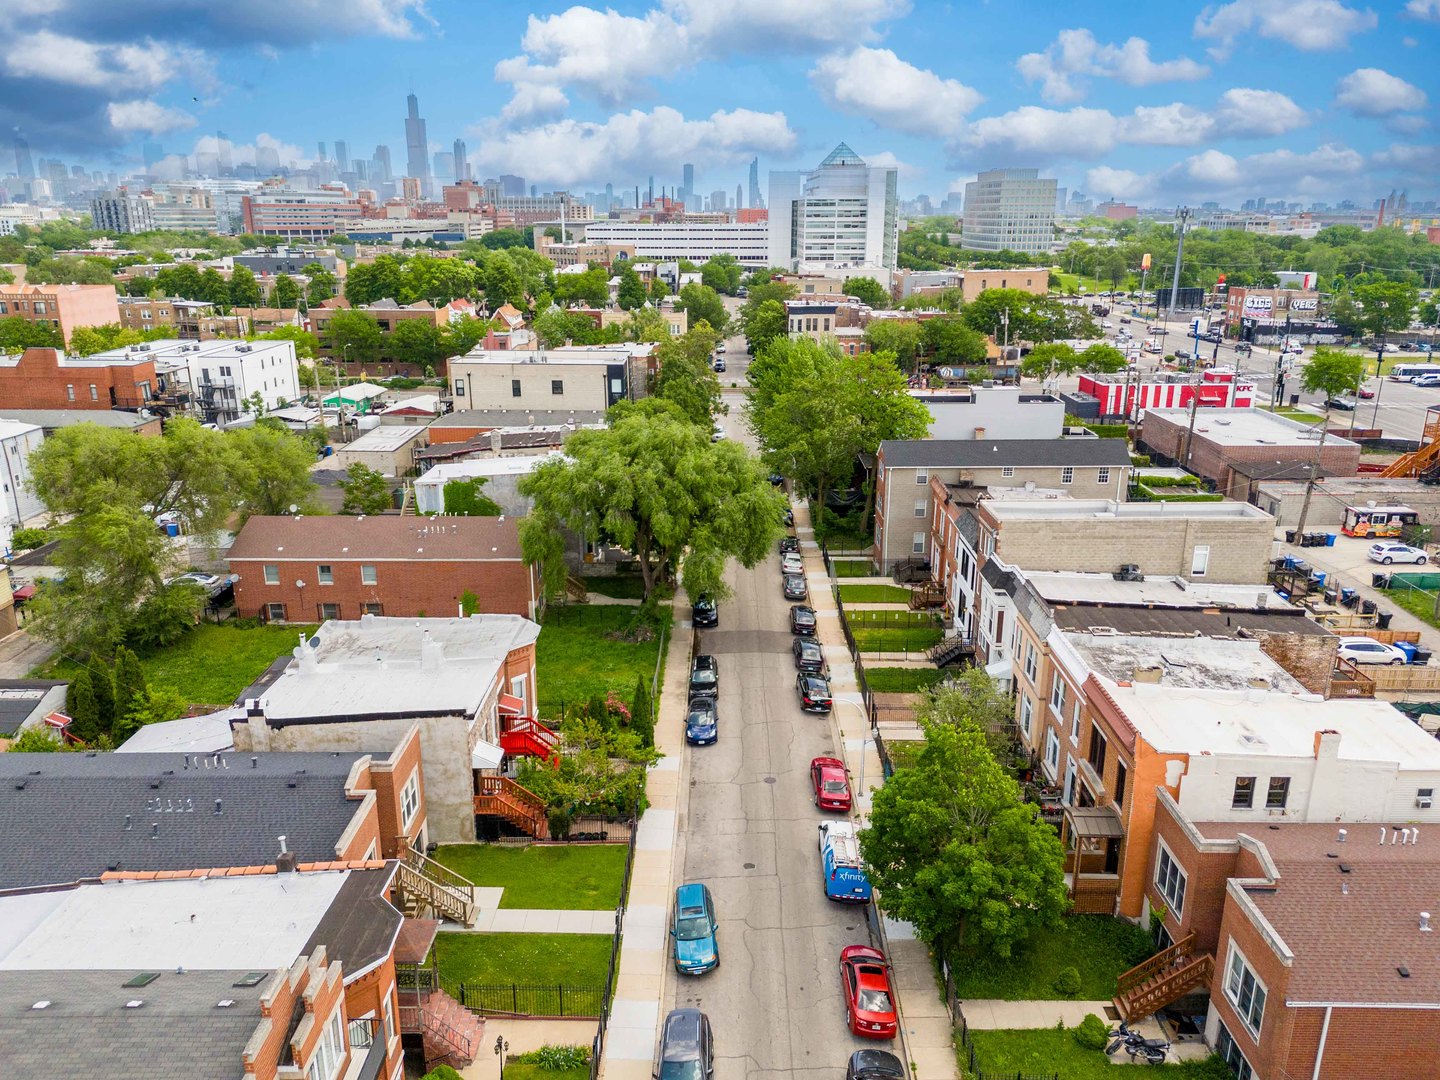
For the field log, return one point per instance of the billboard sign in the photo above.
(1259, 303)
(1304, 304)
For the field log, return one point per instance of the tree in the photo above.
(270, 471)
(556, 327)
(463, 335)
(1332, 374)
(766, 323)
(631, 292)
(285, 293)
(646, 324)
(130, 685)
(81, 708)
(382, 279)
(416, 341)
(900, 337)
(722, 274)
(642, 713)
(953, 848)
(322, 283)
(654, 484)
(36, 741)
(366, 491)
(702, 303)
(973, 696)
(463, 497)
(868, 291)
(355, 337)
(1031, 318)
(214, 289)
(89, 340)
(1386, 306)
(1102, 359)
(306, 343)
(244, 289)
(591, 288)
(948, 340)
(659, 289)
(17, 334)
(155, 706)
(686, 377)
(1049, 360)
(167, 615)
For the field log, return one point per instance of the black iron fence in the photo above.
(577, 1002)
(968, 1058)
(597, 1048)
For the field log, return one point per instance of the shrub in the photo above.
(29, 539)
(1067, 983)
(554, 1058)
(1091, 1033)
(442, 1072)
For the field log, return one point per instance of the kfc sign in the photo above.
(1259, 303)
(1304, 305)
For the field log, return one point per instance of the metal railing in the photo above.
(570, 1001)
(966, 1044)
(597, 1047)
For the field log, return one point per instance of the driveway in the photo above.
(21, 654)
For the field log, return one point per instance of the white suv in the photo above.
(1388, 553)
(1364, 650)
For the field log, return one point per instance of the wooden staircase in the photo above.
(530, 738)
(1417, 461)
(501, 797)
(576, 591)
(927, 596)
(1167, 976)
(952, 650)
(407, 501)
(427, 886)
(451, 1033)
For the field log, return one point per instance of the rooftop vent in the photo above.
(145, 978)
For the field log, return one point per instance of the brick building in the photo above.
(303, 569)
(62, 306)
(194, 320)
(1225, 438)
(48, 379)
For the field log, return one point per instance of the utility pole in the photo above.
(1314, 469)
(1182, 215)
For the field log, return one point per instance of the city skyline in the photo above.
(1223, 104)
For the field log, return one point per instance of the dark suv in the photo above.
(704, 678)
(704, 612)
(802, 620)
(687, 1047)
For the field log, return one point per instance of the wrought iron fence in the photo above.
(973, 1071)
(597, 1048)
(579, 1002)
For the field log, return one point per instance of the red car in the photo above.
(869, 1002)
(832, 786)
(1365, 392)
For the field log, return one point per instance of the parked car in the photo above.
(718, 433)
(791, 563)
(704, 612)
(808, 655)
(1182, 354)
(702, 722)
(1364, 650)
(789, 544)
(874, 1065)
(869, 1001)
(692, 930)
(1388, 551)
(1343, 402)
(789, 517)
(704, 678)
(720, 345)
(1365, 393)
(794, 587)
(814, 691)
(687, 1046)
(1430, 379)
(830, 784)
(802, 620)
(719, 364)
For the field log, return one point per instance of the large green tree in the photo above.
(244, 289)
(703, 304)
(764, 324)
(653, 483)
(1049, 360)
(558, 327)
(1102, 359)
(416, 341)
(18, 334)
(631, 291)
(898, 336)
(721, 273)
(355, 337)
(686, 377)
(955, 850)
(1386, 306)
(591, 288)
(89, 340)
(1331, 373)
(306, 343)
(868, 291)
(270, 470)
(948, 340)
(367, 491)
(285, 292)
(322, 284)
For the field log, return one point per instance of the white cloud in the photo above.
(58, 58)
(143, 117)
(532, 101)
(1074, 54)
(1167, 125)
(1300, 172)
(1031, 129)
(1308, 25)
(1428, 10)
(1372, 92)
(1246, 113)
(1118, 183)
(878, 85)
(886, 159)
(1214, 168)
(1406, 125)
(768, 25)
(635, 143)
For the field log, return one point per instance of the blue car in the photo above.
(701, 723)
(693, 931)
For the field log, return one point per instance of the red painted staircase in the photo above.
(451, 1032)
(498, 796)
(528, 737)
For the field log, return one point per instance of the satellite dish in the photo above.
(314, 642)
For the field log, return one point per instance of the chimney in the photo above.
(979, 433)
(1341, 837)
(1327, 744)
(1150, 673)
(495, 440)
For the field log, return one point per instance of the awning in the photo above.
(510, 705)
(486, 756)
(999, 670)
(25, 592)
(1094, 822)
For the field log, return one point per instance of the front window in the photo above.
(325, 574)
(557, 386)
(272, 574)
(922, 477)
(1007, 471)
(917, 543)
(1057, 696)
(275, 612)
(367, 574)
(1170, 881)
(1067, 475)
(329, 1051)
(1245, 991)
(328, 611)
(1075, 721)
(1200, 561)
(1030, 661)
(1052, 752)
(514, 387)
(1226, 1048)
(94, 392)
(410, 800)
(1244, 796)
(459, 387)
(1027, 711)
(1278, 793)
(1103, 476)
(920, 508)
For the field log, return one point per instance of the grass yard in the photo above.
(916, 639)
(571, 876)
(1417, 602)
(1097, 946)
(852, 568)
(621, 586)
(903, 753)
(1300, 416)
(874, 594)
(902, 680)
(575, 660)
(529, 959)
(1047, 1052)
(526, 1071)
(211, 665)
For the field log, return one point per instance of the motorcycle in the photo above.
(1137, 1046)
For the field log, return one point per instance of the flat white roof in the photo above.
(1247, 427)
(386, 437)
(582, 354)
(184, 350)
(1005, 510)
(1188, 662)
(216, 923)
(496, 466)
(1198, 721)
(1059, 586)
(9, 429)
(206, 734)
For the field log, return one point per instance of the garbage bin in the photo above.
(1289, 536)
(1421, 656)
(1382, 620)
(1367, 607)
(1331, 596)
(1329, 539)
(1380, 581)
(1294, 400)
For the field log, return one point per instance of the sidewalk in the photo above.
(640, 982)
(991, 1014)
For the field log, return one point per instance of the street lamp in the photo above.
(501, 1049)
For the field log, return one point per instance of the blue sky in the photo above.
(1296, 99)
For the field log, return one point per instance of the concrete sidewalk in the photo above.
(990, 1014)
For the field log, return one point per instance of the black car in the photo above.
(702, 722)
(704, 678)
(687, 1046)
(789, 543)
(704, 612)
(814, 691)
(793, 587)
(802, 620)
(808, 655)
(719, 364)
(874, 1065)
(777, 480)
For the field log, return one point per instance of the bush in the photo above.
(442, 1072)
(1067, 983)
(1091, 1033)
(29, 539)
(554, 1058)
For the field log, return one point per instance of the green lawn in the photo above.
(525, 1071)
(571, 876)
(527, 959)
(901, 680)
(852, 567)
(903, 753)
(1047, 1052)
(575, 659)
(212, 664)
(1097, 946)
(874, 594)
(897, 639)
(1300, 416)
(621, 586)
(1417, 602)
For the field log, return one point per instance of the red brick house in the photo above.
(310, 569)
(48, 379)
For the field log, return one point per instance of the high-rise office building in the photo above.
(739, 197)
(756, 202)
(153, 153)
(380, 164)
(24, 165)
(843, 214)
(417, 162)
(512, 185)
(122, 212)
(342, 156)
(687, 183)
(462, 161)
(717, 201)
(1010, 210)
(322, 156)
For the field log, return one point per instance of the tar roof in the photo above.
(19, 698)
(378, 538)
(1189, 622)
(1182, 661)
(1019, 453)
(1061, 586)
(73, 816)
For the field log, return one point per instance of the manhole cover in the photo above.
(749, 866)
(769, 779)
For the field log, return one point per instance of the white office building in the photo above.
(122, 212)
(698, 241)
(1010, 210)
(223, 376)
(843, 214)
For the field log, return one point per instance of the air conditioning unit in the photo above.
(1423, 802)
(1129, 572)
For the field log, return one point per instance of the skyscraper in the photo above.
(342, 156)
(687, 184)
(462, 160)
(844, 213)
(417, 162)
(380, 164)
(1010, 210)
(739, 197)
(322, 156)
(24, 165)
(267, 160)
(756, 201)
(512, 185)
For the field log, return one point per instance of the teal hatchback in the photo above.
(693, 931)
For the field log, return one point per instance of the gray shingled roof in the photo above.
(1019, 453)
(63, 816)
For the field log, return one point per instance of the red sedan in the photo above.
(869, 1002)
(832, 786)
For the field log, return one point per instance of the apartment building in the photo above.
(996, 412)
(581, 253)
(301, 215)
(182, 208)
(48, 379)
(843, 213)
(18, 501)
(62, 306)
(120, 211)
(501, 476)
(268, 262)
(905, 497)
(1033, 280)
(222, 375)
(580, 378)
(1009, 210)
(195, 320)
(697, 241)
